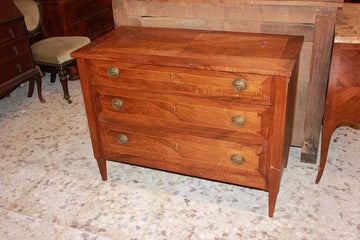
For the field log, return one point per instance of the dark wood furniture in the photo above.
(216, 105)
(91, 18)
(16, 64)
(343, 96)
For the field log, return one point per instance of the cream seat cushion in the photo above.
(57, 50)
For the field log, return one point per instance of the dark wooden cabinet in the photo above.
(216, 105)
(16, 64)
(91, 18)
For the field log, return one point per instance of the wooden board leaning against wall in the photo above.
(315, 20)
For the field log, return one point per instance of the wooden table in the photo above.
(315, 20)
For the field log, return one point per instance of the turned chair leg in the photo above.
(63, 75)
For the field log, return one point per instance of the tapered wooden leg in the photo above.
(102, 167)
(327, 131)
(272, 203)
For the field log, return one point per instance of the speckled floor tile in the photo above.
(58, 197)
(119, 211)
(142, 177)
(15, 183)
(18, 226)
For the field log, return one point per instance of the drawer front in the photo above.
(80, 9)
(144, 108)
(11, 30)
(94, 25)
(14, 48)
(147, 147)
(249, 88)
(15, 66)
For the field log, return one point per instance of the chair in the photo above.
(52, 54)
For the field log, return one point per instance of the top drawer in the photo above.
(11, 30)
(250, 88)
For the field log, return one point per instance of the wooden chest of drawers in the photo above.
(91, 18)
(216, 105)
(16, 65)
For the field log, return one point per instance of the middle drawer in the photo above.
(206, 117)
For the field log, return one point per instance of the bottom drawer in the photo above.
(14, 67)
(214, 159)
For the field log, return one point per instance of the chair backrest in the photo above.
(31, 12)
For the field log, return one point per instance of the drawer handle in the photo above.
(239, 84)
(15, 49)
(113, 71)
(18, 67)
(237, 159)
(123, 139)
(238, 121)
(11, 33)
(117, 104)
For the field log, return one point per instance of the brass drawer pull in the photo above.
(113, 71)
(19, 68)
(238, 121)
(15, 49)
(239, 84)
(117, 104)
(237, 159)
(123, 139)
(11, 33)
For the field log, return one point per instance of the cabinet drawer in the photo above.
(80, 9)
(182, 81)
(136, 107)
(14, 48)
(170, 149)
(15, 66)
(93, 25)
(11, 30)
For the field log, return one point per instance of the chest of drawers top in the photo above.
(210, 50)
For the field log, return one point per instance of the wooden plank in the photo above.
(324, 32)
(301, 94)
(248, 12)
(322, 3)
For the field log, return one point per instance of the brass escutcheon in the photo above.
(237, 159)
(238, 121)
(239, 84)
(113, 71)
(11, 33)
(117, 104)
(15, 49)
(123, 139)
(19, 68)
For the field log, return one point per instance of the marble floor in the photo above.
(50, 187)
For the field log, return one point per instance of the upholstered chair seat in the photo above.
(56, 50)
(52, 54)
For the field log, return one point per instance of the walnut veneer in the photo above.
(343, 96)
(216, 105)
